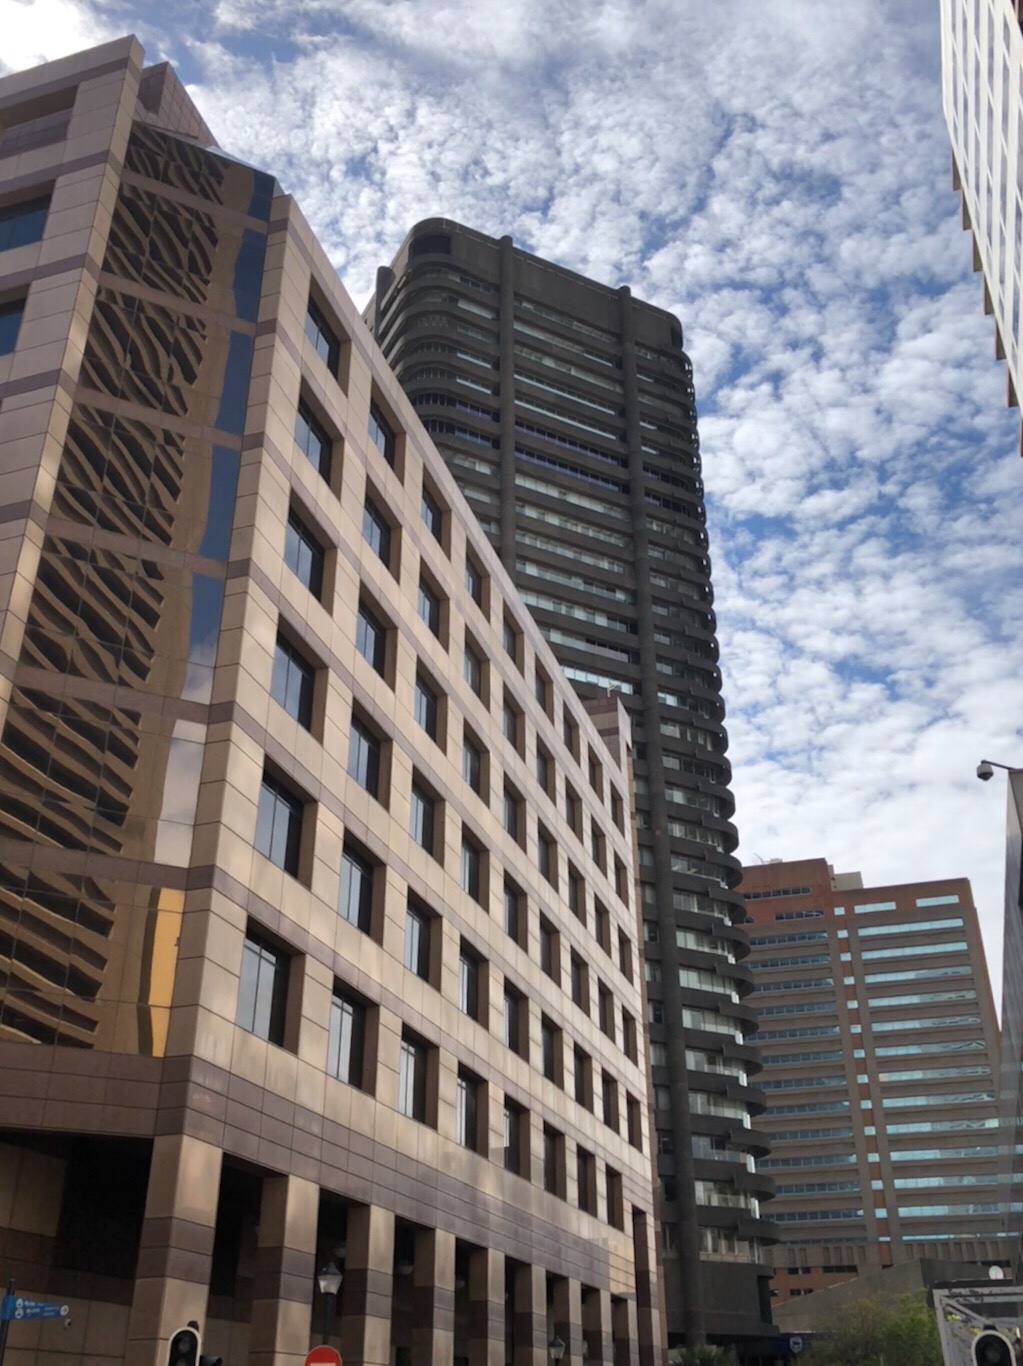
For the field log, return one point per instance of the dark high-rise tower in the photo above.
(566, 411)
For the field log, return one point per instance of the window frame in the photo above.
(283, 796)
(258, 946)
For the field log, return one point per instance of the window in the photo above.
(576, 895)
(429, 607)
(634, 1119)
(381, 434)
(417, 940)
(469, 964)
(629, 1039)
(346, 1038)
(553, 1161)
(313, 440)
(606, 1011)
(472, 670)
(510, 638)
(516, 1021)
(550, 1051)
(516, 1131)
(376, 531)
(472, 869)
(547, 856)
(549, 948)
(468, 1089)
(426, 707)
(474, 581)
(586, 1175)
(573, 809)
(472, 764)
(542, 688)
(292, 681)
(423, 817)
(621, 880)
(570, 733)
(609, 1099)
(615, 1202)
(23, 223)
(544, 770)
(583, 1065)
(364, 757)
(580, 983)
(303, 553)
(355, 898)
(325, 342)
(279, 824)
(432, 514)
(511, 719)
(596, 774)
(412, 1077)
(625, 955)
(514, 912)
(262, 990)
(617, 809)
(597, 846)
(512, 814)
(371, 638)
(602, 926)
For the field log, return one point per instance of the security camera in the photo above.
(67, 1323)
(984, 771)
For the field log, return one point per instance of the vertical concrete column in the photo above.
(366, 1291)
(506, 380)
(651, 1325)
(486, 1307)
(285, 1272)
(625, 1332)
(568, 1317)
(172, 1275)
(596, 1320)
(433, 1299)
(529, 1330)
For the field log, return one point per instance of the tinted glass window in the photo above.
(364, 758)
(429, 607)
(262, 991)
(468, 983)
(313, 440)
(370, 638)
(23, 223)
(471, 870)
(472, 668)
(417, 942)
(292, 682)
(426, 707)
(355, 900)
(10, 323)
(303, 554)
(346, 1039)
(376, 530)
(421, 818)
(279, 825)
(431, 513)
(472, 766)
(322, 336)
(412, 1080)
(381, 434)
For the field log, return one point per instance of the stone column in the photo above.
(433, 1299)
(486, 1307)
(285, 1272)
(530, 1321)
(625, 1332)
(596, 1320)
(568, 1318)
(172, 1275)
(366, 1291)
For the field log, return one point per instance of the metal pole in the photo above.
(328, 1304)
(5, 1325)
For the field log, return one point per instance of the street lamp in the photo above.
(329, 1281)
(555, 1349)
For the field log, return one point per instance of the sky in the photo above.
(777, 173)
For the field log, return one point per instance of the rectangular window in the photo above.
(426, 706)
(323, 338)
(303, 553)
(547, 856)
(23, 223)
(412, 1078)
(513, 819)
(364, 757)
(542, 688)
(514, 912)
(469, 964)
(376, 531)
(313, 440)
(467, 1109)
(429, 607)
(262, 990)
(550, 1051)
(292, 682)
(371, 638)
(617, 809)
(422, 818)
(355, 898)
(598, 848)
(417, 941)
(346, 1040)
(553, 1161)
(515, 1020)
(510, 721)
(548, 948)
(625, 955)
(629, 1039)
(583, 1077)
(432, 514)
(472, 765)
(586, 1174)
(576, 895)
(634, 1120)
(510, 637)
(596, 774)
(516, 1129)
(602, 926)
(472, 669)
(606, 1011)
(471, 869)
(580, 983)
(381, 434)
(474, 581)
(570, 733)
(544, 769)
(573, 809)
(609, 1099)
(615, 1202)
(279, 824)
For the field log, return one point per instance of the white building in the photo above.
(982, 66)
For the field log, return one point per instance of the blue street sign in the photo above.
(17, 1308)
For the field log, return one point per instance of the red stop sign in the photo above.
(323, 1356)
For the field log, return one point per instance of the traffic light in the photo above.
(991, 1348)
(184, 1348)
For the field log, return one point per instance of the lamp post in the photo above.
(555, 1349)
(329, 1281)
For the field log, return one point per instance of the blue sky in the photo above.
(777, 173)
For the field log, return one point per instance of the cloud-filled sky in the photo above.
(777, 173)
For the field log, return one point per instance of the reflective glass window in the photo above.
(474, 582)
(370, 638)
(355, 898)
(376, 530)
(472, 765)
(412, 1079)
(417, 941)
(429, 607)
(346, 1038)
(364, 757)
(10, 324)
(313, 440)
(303, 554)
(23, 223)
(470, 869)
(421, 818)
(472, 668)
(426, 707)
(279, 825)
(292, 682)
(322, 336)
(469, 982)
(262, 990)
(467, 1090)
(432, 514)
(381, 434)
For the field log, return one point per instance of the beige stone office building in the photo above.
(318, 932)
